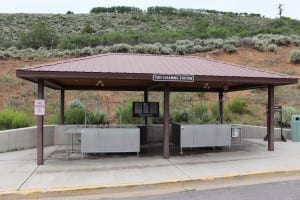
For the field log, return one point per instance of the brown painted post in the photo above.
(221, 95)
(145, 100)
(166, 153)
(270, 117)
(62, 106)
(40, 127)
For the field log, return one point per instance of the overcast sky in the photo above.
(266, 8)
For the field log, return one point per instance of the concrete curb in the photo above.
(134, 187)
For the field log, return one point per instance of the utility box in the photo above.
(295, 128)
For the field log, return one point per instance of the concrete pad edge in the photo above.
(132, 187)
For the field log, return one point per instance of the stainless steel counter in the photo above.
(110, 140)
(202, 135)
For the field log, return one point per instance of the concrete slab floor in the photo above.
(18, 170)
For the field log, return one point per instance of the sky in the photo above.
(267, 8)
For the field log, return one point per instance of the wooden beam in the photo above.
(270, 122)
(166, 151)
(40, 127)
(52, 84)
(62, 106)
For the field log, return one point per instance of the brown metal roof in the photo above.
(135, 72)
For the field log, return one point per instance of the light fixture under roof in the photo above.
(206, 86)
(99, 83)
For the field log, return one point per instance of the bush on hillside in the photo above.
(229, 48)
(10, 119)
(295, 56)
(88, 29)
(39, 36)
(272, 47)
(259, 44)
(121, 48)
(238, 106)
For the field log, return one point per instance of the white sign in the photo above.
(39, 107)
(173, 77)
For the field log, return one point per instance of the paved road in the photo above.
(287, 190)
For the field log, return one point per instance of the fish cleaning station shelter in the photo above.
(139, 72)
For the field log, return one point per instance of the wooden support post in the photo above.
(166, 151)
(40, 127)
(146, 100)
(62, 106)
(221, 95)
(270, 121)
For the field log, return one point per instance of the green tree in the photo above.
(39, 36)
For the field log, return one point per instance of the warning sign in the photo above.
(39, 107)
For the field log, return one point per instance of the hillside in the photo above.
(72, 31)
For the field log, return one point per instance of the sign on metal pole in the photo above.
(173, 77)
(39, 107)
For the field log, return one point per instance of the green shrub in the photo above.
(200, 113)
(181, 116)
(20, 120)
(121, 48)
(287, 112)
(10, 118)
(295, 56)
(296, 42)
(166, 50)
(235, 41)
(39, 36)
(229, 48)
(283, 40)
(258, 44)
(126, 114)
(75, 113)
(238, 106)
(96, 117)
(246, 42)
(214, 110)
(148, 48)
(88, 29)
(86, 51)
(272, 47)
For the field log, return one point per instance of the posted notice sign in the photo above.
(39, 107)
(173, 77)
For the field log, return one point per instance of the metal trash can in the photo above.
(236, 135)
(295, 128)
